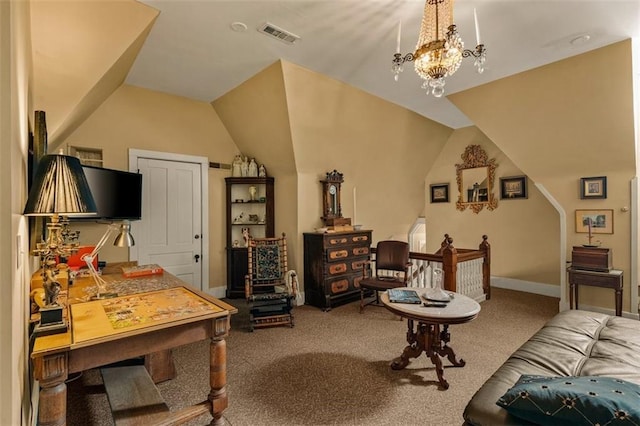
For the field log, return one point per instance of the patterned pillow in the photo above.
(583, 400)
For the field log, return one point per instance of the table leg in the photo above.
(416, 346)
(571, 291)
(428, 339)
(218, 379)
(51, 373)
(619, 302)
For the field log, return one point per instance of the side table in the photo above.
(612, 279)
(428, 336)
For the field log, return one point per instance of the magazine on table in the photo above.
(401, 295)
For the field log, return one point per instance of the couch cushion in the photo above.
(573, 343)
(583, 400)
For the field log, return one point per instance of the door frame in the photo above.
(135, 154)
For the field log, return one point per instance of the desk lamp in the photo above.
(123, 239)
(59, 188)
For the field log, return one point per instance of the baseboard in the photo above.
(526, 286)
(551, 291)
(217, 292)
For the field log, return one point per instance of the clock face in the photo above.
(332, 190)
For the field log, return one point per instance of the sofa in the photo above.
(572, 344)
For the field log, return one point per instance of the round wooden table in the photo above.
(428, 337)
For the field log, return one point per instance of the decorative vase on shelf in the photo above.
(252, 193)
(436, 293)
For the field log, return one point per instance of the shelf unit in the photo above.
(243, 212)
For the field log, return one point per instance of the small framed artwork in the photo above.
(594, 221)
(440, 193)
(593, 187)
(513, 187)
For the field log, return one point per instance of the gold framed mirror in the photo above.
(475, 177)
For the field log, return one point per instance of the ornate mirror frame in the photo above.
(474, 156)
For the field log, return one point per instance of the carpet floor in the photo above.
(332, 368)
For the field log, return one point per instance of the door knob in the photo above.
(197, 236)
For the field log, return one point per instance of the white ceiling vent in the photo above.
(278, 33)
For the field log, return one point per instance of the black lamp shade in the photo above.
(60, 187)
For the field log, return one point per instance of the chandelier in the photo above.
(440, 49)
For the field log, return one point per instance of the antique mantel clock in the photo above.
(331, 206)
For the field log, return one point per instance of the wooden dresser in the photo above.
(333, 266)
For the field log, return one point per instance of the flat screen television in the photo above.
(118, 194)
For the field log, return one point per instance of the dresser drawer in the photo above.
(346, 239)
(343, 284)
(338, 253)
(344, 266)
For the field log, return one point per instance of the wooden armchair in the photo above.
(270, 287)
(391, 270)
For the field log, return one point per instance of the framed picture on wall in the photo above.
(513, 187)
(440, 193)
(594, 221)
(593, 187)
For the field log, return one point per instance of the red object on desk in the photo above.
(142, 270)
(75, 261)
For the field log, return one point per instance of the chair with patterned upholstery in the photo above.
(391, 270)
(270, 288)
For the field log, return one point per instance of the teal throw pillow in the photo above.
(582, 400)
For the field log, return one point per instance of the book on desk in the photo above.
(401, 295)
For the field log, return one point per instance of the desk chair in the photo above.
(391, 270)
(270, 287)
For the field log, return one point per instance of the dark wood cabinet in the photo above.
(333, 266)
(250, 204)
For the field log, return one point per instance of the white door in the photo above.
(170, 232)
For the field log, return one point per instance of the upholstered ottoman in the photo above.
(573, 343)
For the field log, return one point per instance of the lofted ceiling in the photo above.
(194, 51)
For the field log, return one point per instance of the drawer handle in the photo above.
(337, 269)
(337, 241)
(360, 238)
(339, 286)
(360, 250)
(338, 254)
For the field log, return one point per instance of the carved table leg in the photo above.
(218, 372)
(428, 339)
(447, 351)
(433, 350)
(413, 350)
(51, 372)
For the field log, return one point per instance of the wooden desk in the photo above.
(168, 315)
(427, 336)
(612, 279)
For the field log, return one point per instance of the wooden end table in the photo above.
(428, 336)
(612, 279)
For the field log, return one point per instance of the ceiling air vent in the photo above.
(278, 33)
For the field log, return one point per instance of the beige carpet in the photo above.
(332, 368)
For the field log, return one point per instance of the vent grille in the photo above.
(278, 33)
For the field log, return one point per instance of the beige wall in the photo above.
(77, 68)
(559, 123)
(523, 233)
(15, 110)
(142, 119)
(304, 124)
